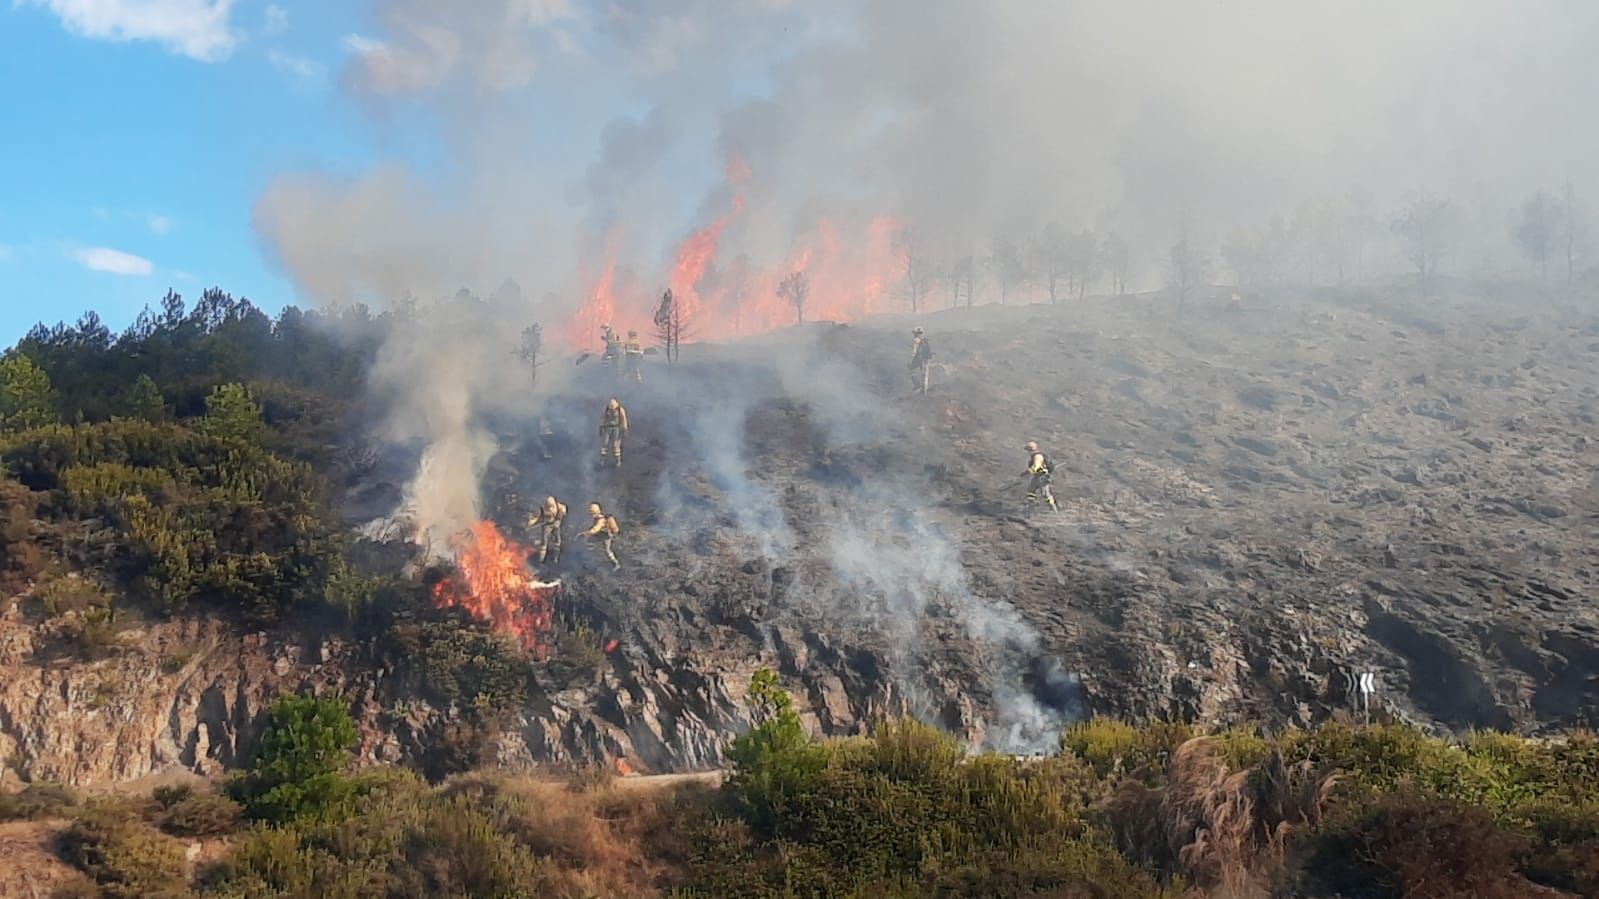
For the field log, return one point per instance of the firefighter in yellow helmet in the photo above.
(633, 358)
(603, 530)
(613, 346)
(1041, 470)
(547, 521)
(613, 427)
(921, 360)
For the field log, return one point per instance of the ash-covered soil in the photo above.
(1260, 500)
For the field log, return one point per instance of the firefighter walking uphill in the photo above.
(633, 359)
(613, 427)
(921, 360)
(613, 346)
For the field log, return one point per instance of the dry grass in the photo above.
(603, 838)
(1225, 831)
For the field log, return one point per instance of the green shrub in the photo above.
(462, 664)
(407, 841)
(904, 812)
(577, 648)
(775, 763)
(1497, 771)
(1415, 846)
(70, 593)
(184, 812)
(230, 414)
(1115, 747)
(21, 557)
(143, 400)
(41, 800)
(194, 516)
(299, 768)
(123, 856)
(1243, 747)
(26, 397)
(93, 633)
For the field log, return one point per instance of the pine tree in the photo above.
(26, 397)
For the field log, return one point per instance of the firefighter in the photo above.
(613, 346)
(921, 360)
(602, 531)
(613, 427)
(548, 520)
(1040, 469)
(546, 437)
(633, 358)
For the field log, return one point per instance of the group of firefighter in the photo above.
(547, 521)
(1040, 469)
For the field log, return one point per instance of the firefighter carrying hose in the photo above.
(1041, 470)
(603, 531)
(547, 521)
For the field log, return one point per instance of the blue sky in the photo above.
(138, 134)
(141, 134)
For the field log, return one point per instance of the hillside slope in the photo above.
(1260, 501)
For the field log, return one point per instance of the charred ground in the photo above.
(1260, 500)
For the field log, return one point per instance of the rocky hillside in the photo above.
(1260, 501)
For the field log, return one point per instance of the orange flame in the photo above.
(849, 267)
(492, 581)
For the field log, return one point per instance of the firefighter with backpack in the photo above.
(1040, 471)
(921, 360)
(547, 522)
(613, 427)
(603, 531)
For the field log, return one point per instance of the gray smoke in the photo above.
(562, 122)
(558, 136)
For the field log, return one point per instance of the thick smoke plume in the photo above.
(555, 129)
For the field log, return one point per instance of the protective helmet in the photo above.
(1032, 446)
(917, 330)
(594, 509)
(550, 501)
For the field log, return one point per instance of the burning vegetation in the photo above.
(845, 269)
(493, 583)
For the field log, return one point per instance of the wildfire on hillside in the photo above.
(848, 267)
(493, 583)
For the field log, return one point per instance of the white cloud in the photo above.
(361, 45)
(298, 66)
(114, 262)
(160, 224)
(198, 29)
(275, 20)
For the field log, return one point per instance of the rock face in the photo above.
(189, 694)
(1259, 504)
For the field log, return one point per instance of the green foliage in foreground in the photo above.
(300, 764)
(1124, 811)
